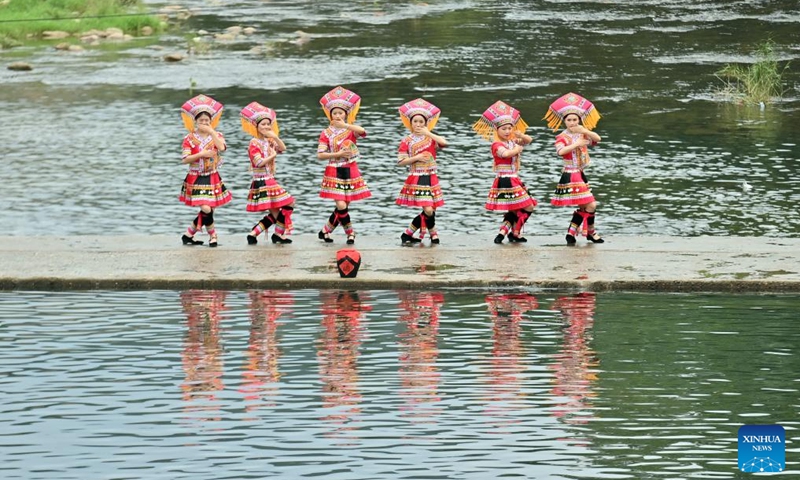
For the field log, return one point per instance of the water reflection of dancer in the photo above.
(574, 367)
(203, 186)
(507, 313)
(503, 125)
(261, 374)
(338, 351)
(419, 375)
(202, 352)
(342, 181)
(580, 117)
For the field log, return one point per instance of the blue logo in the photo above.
(762, 448)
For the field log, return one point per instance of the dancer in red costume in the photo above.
(580, 117)
(266, 195)
(342, 181)
(418, 151)
(503, 125)
(203, 186)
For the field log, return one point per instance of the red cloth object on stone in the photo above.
(348, 261)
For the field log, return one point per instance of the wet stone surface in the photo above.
(622, 263)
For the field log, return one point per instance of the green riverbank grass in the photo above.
(22, 20)
(760, 82)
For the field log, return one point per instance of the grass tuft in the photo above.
(760, 82)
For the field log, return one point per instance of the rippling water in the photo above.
(391, 385)
(92, 141)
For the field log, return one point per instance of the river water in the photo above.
(92, 139)
(391, 384)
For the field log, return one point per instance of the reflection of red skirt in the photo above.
(512, 305)
(508, 193)
(572, 189)
(421, 191)
(199, 190)
(344, 183)
(265, 193)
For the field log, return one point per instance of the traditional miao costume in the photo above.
(508, 193)
(265, 192)
(203, 185)
(573, 187)
(421, 188)
(342, 179)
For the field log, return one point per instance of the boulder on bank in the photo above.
(115, 34)
(54, 34)
(92, 32)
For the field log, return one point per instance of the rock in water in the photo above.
(20, 67)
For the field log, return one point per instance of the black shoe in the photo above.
(251, 240)
(571, 240)
(187, 240)
(277, 239)
(434, 240)
(515, 239)
(499, 238)
(325, 236)
(406, 238)
(595, 238)
(351, 239)
(213, 242)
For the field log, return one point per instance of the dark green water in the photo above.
(92, 139)
(391, 384)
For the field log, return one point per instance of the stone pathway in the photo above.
(622, 263)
